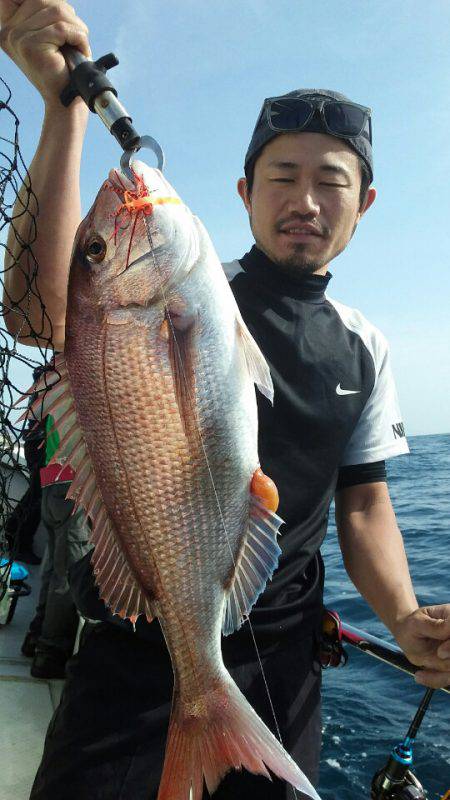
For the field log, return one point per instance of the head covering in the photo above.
(263, 133)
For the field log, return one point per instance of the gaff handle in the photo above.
(88, 80)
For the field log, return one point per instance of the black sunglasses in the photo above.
(340, 118)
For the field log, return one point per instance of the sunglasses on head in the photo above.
(339, 117)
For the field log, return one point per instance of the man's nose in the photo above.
(304, 203)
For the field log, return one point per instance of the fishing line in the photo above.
(149, 238)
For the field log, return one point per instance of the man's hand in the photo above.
(32, 33)
(424, 636)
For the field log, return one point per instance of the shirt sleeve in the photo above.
(380, 432)
(356, 474)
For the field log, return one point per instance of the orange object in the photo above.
(263, 487)
(134, 203)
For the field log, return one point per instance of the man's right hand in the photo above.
(32, 33)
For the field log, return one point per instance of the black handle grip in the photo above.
(88, 79)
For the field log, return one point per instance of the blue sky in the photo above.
(193, 73)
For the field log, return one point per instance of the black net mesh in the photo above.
(20, 450)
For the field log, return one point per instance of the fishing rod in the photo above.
(88, 80)
(395, 780)
(378, 648)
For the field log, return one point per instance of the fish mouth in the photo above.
(120, 182)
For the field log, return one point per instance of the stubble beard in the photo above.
(297, 264)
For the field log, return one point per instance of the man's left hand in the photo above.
(424, 636)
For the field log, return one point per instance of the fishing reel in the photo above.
(395, 781)
(331, 651)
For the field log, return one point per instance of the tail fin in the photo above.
(220, 732)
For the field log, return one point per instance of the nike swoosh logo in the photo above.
(346, 391)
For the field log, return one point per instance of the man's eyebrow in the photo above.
(336, 170)
(283, 164)
(330, 168)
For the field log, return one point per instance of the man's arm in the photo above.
(375, 559)
(32, 32)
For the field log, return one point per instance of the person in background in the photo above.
(52, 632)
(23, 522)
(335, 419)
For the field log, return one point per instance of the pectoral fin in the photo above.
(257, 559)
(180, 330)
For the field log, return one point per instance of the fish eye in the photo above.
(95, 249)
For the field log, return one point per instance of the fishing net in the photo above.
(20, 301)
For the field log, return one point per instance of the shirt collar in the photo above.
(261, 268)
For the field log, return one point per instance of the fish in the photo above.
(154, 404)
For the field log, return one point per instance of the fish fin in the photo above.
(255, 564)
(118, 588)
(256, 363)
(180, 331)
(54, 397)
(215, 733)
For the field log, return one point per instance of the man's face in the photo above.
(304, 204)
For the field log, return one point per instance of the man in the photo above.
(307, 185)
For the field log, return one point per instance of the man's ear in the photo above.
(370, 198)
(244, 194)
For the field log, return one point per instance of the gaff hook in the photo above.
(147, 142)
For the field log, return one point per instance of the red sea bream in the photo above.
(156, 411)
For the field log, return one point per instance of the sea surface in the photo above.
(368, 705)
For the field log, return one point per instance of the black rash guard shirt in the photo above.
(335, 406)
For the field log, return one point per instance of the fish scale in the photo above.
(166, 475)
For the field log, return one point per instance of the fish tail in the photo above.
(216, 733)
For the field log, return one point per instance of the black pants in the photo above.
(23, 522)
(56, 618)
(106, 740)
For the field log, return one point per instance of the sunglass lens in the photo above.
(289, 115)
(344, 119)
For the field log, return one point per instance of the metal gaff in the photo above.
(88, 80)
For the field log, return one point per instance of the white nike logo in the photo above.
(346, 391)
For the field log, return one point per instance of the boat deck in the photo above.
(26, 703)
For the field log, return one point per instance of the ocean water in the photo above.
(368, 705)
